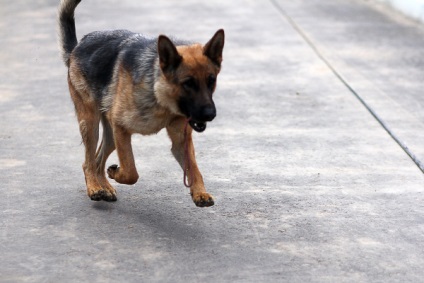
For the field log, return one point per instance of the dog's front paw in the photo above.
(203, 200)
(122, 177)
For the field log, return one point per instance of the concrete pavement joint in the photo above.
(344, 81)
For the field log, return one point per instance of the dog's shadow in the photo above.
(180, 222)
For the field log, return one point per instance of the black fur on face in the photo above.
(196, 101)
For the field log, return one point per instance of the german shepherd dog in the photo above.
(135, 84)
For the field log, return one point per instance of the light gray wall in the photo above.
(412, 8)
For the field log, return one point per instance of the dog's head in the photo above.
(190, 72)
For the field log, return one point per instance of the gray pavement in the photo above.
(309, 186)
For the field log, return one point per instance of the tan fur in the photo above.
(125, 108)
(167, 95)
(88, 117)
(175, 132)
(195, 63)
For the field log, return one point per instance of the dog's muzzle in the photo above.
(206, 114)
(199, 118)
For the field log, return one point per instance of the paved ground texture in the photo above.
(319, 104)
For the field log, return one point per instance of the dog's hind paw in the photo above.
(103, 195)
(203, 200)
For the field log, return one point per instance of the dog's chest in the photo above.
(147, 123)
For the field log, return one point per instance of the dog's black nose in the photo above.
(208, 112)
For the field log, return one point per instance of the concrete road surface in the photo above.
(313, 158)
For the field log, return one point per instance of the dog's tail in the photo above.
(67, 33)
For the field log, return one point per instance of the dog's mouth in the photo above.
(198, 126)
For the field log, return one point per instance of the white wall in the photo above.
(412, 8)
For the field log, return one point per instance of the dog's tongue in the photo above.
(198, 126)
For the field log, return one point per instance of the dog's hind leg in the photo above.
(89, 118)
(197, 189)
(107, 146)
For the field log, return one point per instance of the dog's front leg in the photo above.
(197, 189)
(127, 172)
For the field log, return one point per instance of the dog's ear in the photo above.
(213, 49)
(169, 59)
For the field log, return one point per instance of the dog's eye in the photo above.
(211, 82)
(189, 83)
